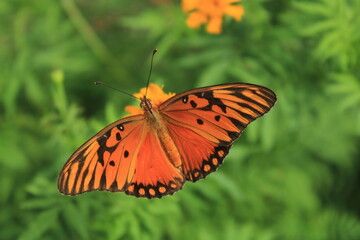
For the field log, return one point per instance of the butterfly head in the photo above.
(146, 104)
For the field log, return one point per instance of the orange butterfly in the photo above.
(169, 141)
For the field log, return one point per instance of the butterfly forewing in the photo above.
(204, 122)
(97, 163)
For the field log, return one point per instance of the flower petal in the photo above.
(214, 25)
(132, 110)
(188, 5)
(235, 11)
(233, 1)
(156, 94)
(195, 19)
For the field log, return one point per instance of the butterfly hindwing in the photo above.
(155, 175)
(204, 122)
(200, 156)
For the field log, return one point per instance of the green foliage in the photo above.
(293, 174)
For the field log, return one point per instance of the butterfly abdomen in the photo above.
(157, 123)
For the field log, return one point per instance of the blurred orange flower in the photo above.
(211, 12)
(154, 93)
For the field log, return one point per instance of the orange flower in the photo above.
(154, 93)
(211, 12)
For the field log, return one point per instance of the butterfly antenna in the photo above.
(101, 83)
(151, 64)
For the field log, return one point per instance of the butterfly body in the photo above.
(156, 123)
(153, 153)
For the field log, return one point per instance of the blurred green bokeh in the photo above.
(294, 174)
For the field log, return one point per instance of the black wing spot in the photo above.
(193, 104)
(185, 99)
(126, 153)
(112, 163)
(120, 127)
(118, 136)
(199, 121)
(217, 118)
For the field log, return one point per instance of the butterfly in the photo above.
(153, 153)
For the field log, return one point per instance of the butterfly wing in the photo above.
(204, 122)
(104, 162)
(155, 175)
(128, 154)
(125, 156)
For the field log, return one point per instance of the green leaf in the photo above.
(40, 224)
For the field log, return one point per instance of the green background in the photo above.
(293, 174)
